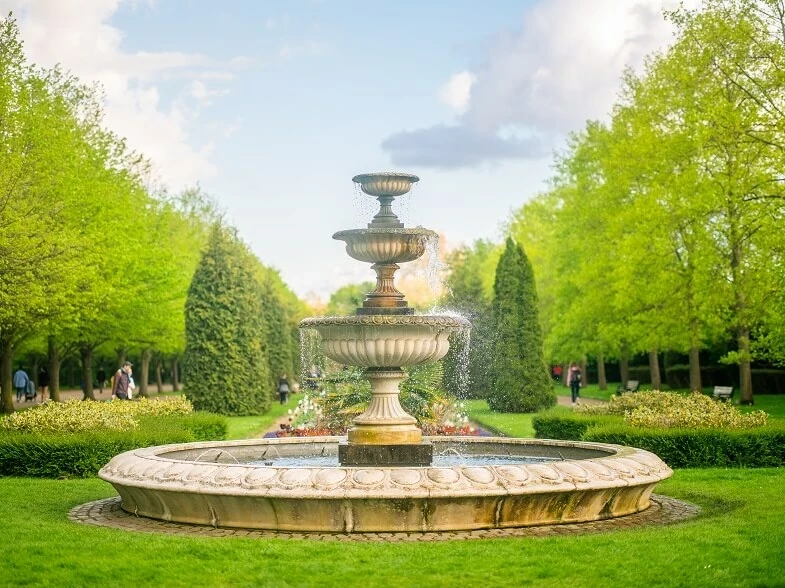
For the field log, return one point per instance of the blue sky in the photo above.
(272, 106)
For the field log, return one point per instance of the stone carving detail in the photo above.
(455, 322)
(623, 468)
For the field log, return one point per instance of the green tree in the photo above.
(521, 382)
(225, 361)
(347, 299)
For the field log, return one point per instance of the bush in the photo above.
(76, 416)
(83, 453)
(669, 410)
(562, 424)
(700, 448)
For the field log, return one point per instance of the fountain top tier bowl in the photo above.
(385, 183)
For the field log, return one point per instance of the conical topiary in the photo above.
(521, 382)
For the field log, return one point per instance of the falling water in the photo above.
(435, 268)
(462, 376)
(310, 351)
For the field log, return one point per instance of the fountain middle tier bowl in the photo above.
(245, 484)
(391, 245)
(385, 340)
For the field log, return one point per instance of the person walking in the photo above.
(43, 382)
(20, 383)
(283, 388)
(574, 379)
(122, 379)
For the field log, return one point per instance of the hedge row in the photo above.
(67, 455)
(558, 424)
(679, 448)
(701, 448)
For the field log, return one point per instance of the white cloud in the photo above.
(457, 91)
(78, 35)
(561, 67)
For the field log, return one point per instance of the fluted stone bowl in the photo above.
(385, 245)
(385, 183)
(385, 340)
(232, 484)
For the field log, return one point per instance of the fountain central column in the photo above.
(384, 335)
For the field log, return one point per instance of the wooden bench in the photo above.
(723, 392)
(630, 386)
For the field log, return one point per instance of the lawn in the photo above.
(247, 427)
(737, 541)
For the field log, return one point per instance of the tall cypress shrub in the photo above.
(225, 361)
(280, 352)
(521, 382)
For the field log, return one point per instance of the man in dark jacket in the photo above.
(120, 387)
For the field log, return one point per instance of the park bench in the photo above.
(630, 386)
(723, 392)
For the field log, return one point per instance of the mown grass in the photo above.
(737, 541)
(247, 427)
(508, 424)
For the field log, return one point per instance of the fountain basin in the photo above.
(376, 245)
(385, 183)
(385, 340)
(215, 484)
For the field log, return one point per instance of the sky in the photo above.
(273, 106)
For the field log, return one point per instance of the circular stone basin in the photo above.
(385, 245)
(385, 340)
(216, 484)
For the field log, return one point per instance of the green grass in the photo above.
(246, 427)
(737, 541)
(508, 424)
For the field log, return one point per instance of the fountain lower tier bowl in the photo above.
(238, 484)
(385, 340)
(390, 245)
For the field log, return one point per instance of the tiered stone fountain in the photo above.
(381, 477)
(385, 335)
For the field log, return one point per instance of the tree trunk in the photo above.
(654, 369)
(602, 379)
(695, 370)
(745, 369)
(86, 354)
(175, 375)
(584, 375)
(121, 355)
(6, 376)
(54, 370)
(624, 369)
(158, 379)
(34, 372)
(145, 375)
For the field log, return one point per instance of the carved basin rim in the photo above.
(443, 321)
(375, 176)
(612, 466)
(415, 232)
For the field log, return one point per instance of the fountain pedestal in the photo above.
(385, 432)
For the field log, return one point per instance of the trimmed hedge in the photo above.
(559, 424)
(701, 448)
(66, 455)
(680, 448)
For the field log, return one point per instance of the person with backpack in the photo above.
(574, 381)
